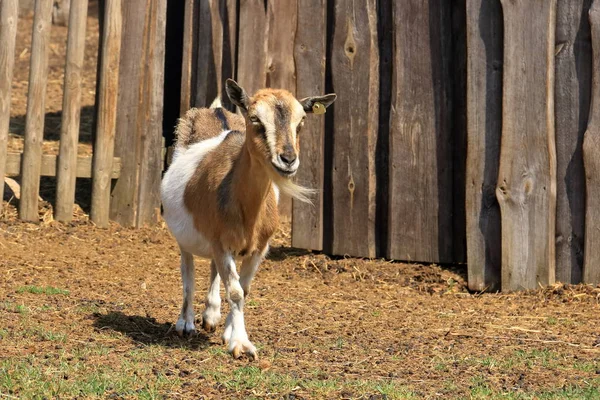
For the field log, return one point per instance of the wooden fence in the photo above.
(127, 151)
(459, 133)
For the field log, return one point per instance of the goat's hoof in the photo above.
(185, 328)
(238, 347)
(208, 327)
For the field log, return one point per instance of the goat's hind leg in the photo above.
(212, 314)
(185, 324)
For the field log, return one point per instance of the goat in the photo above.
(220, 196)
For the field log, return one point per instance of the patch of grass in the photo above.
(3, 333)
(551, 321)
(49, 290)
(13, 307)
(252, 303)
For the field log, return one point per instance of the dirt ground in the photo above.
(89, 312)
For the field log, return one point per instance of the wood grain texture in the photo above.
(216, 51)
(34, 120)
(484, 128)
(50, 166)
(130, 105)
(591, 157)
(151, 162)
(107, 113)
(252, 46)
(69, 133)
(9, 12)
(282, 19)
(420, 206)
(527, 176)
(572, 105)
(355, 79)
(190, 29)
(310, 56)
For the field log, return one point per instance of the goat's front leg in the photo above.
(212, 314)
(185, 323)
(238, 337)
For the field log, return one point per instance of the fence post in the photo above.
(107, 113)
(420, 160)
(9, 11)
(252, 57)
(34, 120)
(527, 177)
(591, 156)
(309, 54)
(355, 79)
(573, 83)
(484, 126)
(69, 132)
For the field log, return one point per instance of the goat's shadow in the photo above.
(282, 253)
(147, 330)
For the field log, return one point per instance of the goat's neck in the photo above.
(253, 185)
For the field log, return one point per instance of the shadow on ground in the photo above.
(147, 330)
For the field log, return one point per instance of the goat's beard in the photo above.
(292, 189)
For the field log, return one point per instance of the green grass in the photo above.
(48, 290)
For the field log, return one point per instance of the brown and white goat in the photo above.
(220, 196)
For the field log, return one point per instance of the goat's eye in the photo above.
(300, 125)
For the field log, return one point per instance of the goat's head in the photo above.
(274, 118)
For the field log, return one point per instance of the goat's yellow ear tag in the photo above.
(318, 108)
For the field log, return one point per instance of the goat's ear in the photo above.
(309, 102)
(237, 94)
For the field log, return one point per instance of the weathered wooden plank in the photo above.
(281, 71)
(420, 206)
(190, 31)
(69, 133)
(252, 46)
(107, 113)
(527, 176)
(573, 83)
(130, 104)
(355, 79)
(34, 121)
(591, 157)
(152, 140)
(9, 12)
(484, 128)
(216, 51)
(310, 53)
(50, 166)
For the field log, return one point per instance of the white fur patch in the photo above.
(177, 216)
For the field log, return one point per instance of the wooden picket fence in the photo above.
(127, 151)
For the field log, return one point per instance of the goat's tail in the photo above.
(216, 102)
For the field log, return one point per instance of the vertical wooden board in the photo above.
(189, 29)
(69, 133)
(484, 128)
(458, 79)
(216, 46)
(281, 71)
(591, 157)
(151, 135)
(420, 206)
(309, 53)
(107, 114)
(527, 177)
(9, 11)
(34, 120)
(124, 193)
(573, 83)
(355, 79)
(252, 46)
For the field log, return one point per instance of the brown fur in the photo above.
(201, 123)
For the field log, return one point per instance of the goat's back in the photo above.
(200, 124)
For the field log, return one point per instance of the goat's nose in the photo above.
(288, 158)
